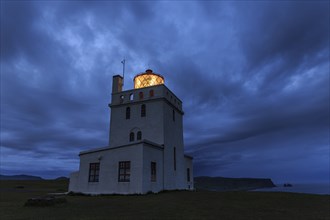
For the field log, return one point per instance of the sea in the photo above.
(312, 188)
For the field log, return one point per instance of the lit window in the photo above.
(121, 99)
(131, 136)
(151, 93)
(153, 171)
(143, 110)
(124, 171)
(147, 79)
(140, 95)
(188, 174)
(131, 97)
(139, 135)
(128, 113)
(94, 172)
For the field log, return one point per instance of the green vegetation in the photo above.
(167, 205)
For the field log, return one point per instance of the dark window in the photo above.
(143, 110)
(174, 157)
(131, 136)
(124, 171)
(188, 174)
(173, 115)
(128, 113)
(153, 171)
(139, 135)
(151, 93)
(140, 95)
(94, 172)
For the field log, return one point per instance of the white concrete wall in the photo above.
(151, 125)
(173, 136)
(188, 164)
(108, 179)
(74, 182)
(158, 126)
(151, 154)
(141, 155)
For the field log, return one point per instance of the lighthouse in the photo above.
(146, 148)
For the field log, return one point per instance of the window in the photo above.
(131, 97)
(153, 172)
(94, 172)
(151, 93)
(174, 158)
(131, 136)
(188, 174)
(140, 95)
(139, 135)
(128, 113)
(124, 171)
(173, 115)
(143, 110)
(121, 99)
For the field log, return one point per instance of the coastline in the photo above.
(307, 188)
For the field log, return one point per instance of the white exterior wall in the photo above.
(108, 176)
(188, 164)
(151, 126)
(151, 154)
(140, 155)
(173, 136)
(74, 182)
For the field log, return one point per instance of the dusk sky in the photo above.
(253, 77)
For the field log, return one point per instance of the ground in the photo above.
(166, 205)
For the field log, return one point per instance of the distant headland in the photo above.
(230, 184)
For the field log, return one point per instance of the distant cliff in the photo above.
(20, 177)
(228, 184)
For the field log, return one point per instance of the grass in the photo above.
(167, 205)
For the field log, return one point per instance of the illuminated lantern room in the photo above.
(147, 79)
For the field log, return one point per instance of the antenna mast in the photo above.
(123, 62)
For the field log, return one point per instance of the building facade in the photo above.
(146, 149)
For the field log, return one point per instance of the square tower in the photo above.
(146, 146)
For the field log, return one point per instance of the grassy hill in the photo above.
(167, 205)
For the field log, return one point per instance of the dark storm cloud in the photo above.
(284, 30)
(35, 118)
(14, 25)
(254, 77)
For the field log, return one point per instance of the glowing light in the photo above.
(147, 79)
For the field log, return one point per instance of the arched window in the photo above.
(131, 136)
(131, 97)
(140, 95)
(143, 110)
(128, 113)
(139, 135)
(151, 93)
(121, 99)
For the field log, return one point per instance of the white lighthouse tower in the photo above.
(146, 150)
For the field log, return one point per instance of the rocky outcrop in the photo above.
(231, 184)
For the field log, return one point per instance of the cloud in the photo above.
(253, 78)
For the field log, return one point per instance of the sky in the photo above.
(253, 77)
